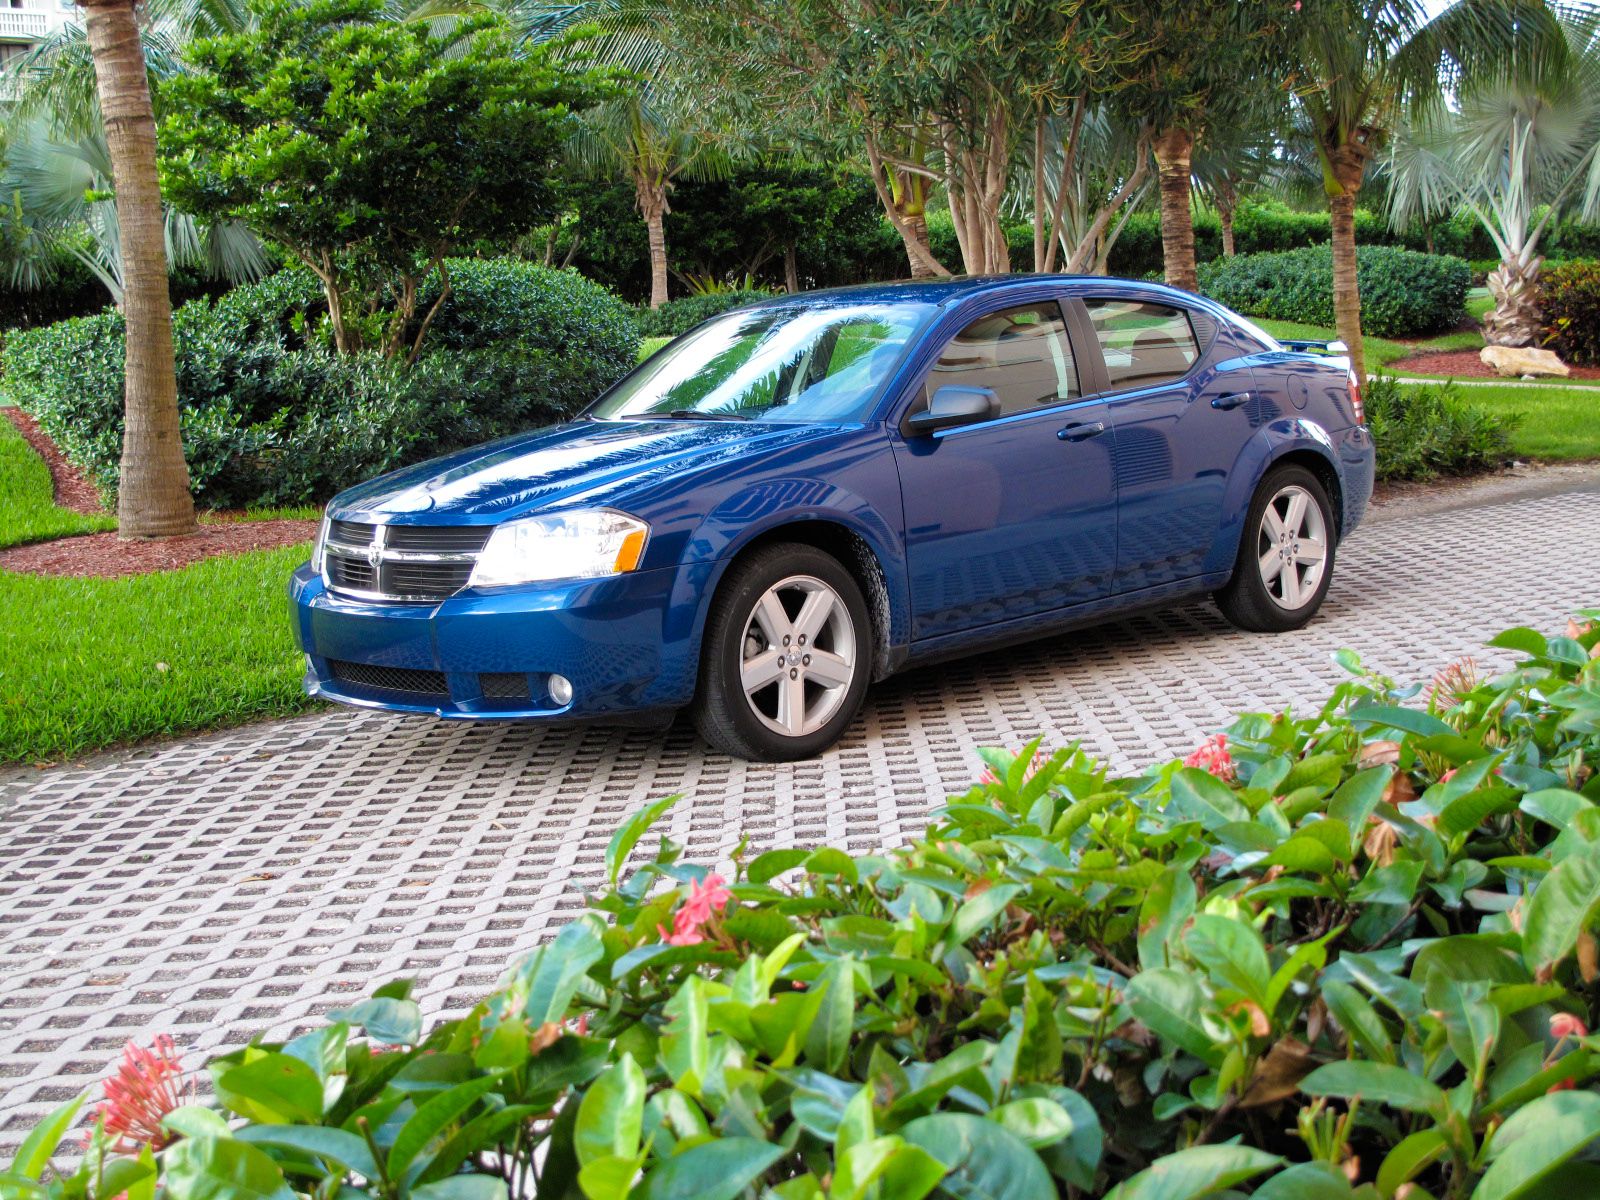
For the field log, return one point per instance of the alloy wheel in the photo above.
(799, 656)
(1292, 547)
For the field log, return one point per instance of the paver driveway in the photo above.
(224, 886)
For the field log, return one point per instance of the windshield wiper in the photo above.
(690, 414)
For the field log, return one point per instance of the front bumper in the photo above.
(628, 645)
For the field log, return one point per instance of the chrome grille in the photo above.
(401, 562)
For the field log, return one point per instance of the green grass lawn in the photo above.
(90, 663)
(648, 346)
(1556, 423)
(27, 513)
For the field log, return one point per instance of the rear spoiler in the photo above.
(1307, 346)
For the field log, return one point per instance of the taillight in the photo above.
(1355, 400)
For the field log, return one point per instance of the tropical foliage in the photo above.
(1570, 297)
(1349, 953)
(1424, 430)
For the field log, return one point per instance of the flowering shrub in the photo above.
(1345, 954)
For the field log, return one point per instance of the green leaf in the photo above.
(1393, 884)
(1554, 806)
(906, 1172)
(1391, 1085)
(462, 1187)
(1195, 1172)
(716, 1170)
(1200, 796)
(984, 1160)
(611, 1113)
(196, 1120)
(1167, 907)
(1466, 813)
(1037, 1122)
(827, 1041)
(1357, 796)
(1306, 1181)
(1528, 641)
(1169, 1002)
(344, 1149)
(629, 832)
(551, 973)
(1562, 907)
(1412, 1156)
(211, 1168)
(1302, 855)
(273, 1087)
(395, 1021)
(433, 1120)
(685, 1051)
(828, 861)
(767, 867)
(975, 914)
(1232, 954)
(34, 1154)
(1407, 720)
(1535, 1140)
(1359, 1020)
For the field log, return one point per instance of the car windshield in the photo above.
(778, 363)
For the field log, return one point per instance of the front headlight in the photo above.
(570, 545)
(316, 546)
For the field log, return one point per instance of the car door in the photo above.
(1013, 513)
(1181, 421)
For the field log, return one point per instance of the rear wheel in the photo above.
(787, 657)
(1285, 556)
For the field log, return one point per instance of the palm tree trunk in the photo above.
(1517, 318)
(1346, 289)
(791, 269)
(1227, 206)
(1173, 147)
(153, 498)
(650, 190)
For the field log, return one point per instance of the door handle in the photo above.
(1231, 400)
(1081, 432)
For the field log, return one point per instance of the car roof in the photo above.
(953, 288)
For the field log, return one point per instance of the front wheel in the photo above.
(787, 657)
(1285, 556)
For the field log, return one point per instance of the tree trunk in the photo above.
(791, 269)
(1346, 290)
(1227, 206)
(913, 231)
(153, 498)
(1517, 318)
(650, 191)
(1173, 147)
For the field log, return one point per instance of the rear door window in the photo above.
(1143, 344)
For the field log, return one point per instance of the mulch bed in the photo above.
(105, 556)
(72, 488)
(1466, 363)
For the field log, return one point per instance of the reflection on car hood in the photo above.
(583, 462)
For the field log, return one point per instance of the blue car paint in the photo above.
(1148, 510)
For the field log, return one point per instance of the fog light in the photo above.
(560, 690)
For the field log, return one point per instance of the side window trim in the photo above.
(1078, 309)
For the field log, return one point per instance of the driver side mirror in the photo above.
(954, 405)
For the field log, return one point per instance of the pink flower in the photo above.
(1449, 775)
(147, 1086)
(1565, 1025)
(706, 898)
(1212, 755)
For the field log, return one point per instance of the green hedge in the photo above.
(1424, 430)
(1571, 297)
(1347, 955)
(271, 416)
(1403, 293)
(677, 317)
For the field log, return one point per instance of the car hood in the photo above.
(582, 462)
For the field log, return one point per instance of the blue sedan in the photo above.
(806, 495)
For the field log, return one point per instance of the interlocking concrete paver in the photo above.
(223, 886)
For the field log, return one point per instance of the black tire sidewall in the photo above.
(723, 654)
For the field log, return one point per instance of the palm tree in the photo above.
(1358, 66)
(1520, 151)
(153, 498)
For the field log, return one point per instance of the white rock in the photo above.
(1514, 361)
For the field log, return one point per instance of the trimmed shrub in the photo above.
(1403, 293)
(677, 317)
(1346, 954)
(1570, 294)
(271, 415)
(1424, 430)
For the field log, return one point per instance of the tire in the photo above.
(1276, 585)
(774, 701)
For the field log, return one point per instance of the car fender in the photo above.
(752, 513)
(1268, 445)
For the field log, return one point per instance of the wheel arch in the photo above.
(1298, 442)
